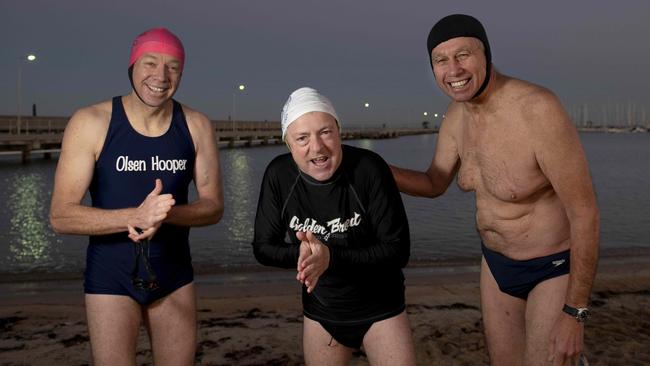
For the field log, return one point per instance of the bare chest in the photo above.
(500, 162)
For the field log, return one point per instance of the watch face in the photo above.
(582, 315)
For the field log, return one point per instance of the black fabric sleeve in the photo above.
(269, 246)
(387, 217)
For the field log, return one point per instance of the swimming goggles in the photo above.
(150, 284)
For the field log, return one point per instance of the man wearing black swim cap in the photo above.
(512, 143)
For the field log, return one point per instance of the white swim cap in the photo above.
(305, 100)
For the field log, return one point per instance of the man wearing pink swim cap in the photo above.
(157, 46)
(136, 155)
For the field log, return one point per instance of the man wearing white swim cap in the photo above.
(513, 144)
(136, 155)
(305, 100)
(333, 213)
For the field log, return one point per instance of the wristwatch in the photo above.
(581, 314)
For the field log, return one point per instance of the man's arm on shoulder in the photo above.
(208, 208)
(436, 179)
(82, 140)
(560, 156)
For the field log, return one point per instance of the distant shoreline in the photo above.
(609, 129)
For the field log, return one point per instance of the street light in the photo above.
(30, 57)
(240, 88)
(366, 105)
(425, 120)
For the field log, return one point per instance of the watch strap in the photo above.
(581, 314)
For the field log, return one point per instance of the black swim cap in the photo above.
(461, 25)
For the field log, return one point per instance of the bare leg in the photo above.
(172, 327)
(113, 325)
(504, 322)
(389, 342)
(320, 348)
(545, 303)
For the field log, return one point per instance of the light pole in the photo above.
(30, 57)
(366, 105)
(241, 88)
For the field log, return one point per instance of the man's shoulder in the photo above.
(93, 117)
(280, 171)
(361, 155)
(194, 117)
(528, 94)
(451, 124)
(281, 164)
(542, 109)
(453, 110)
(199, 125)
(363, 163)
(87, 129)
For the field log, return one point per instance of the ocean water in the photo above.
(442, 229)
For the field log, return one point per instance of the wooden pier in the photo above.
(43, 135)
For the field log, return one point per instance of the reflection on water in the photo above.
(441, 228)
(30, 235)
(239, 187)
(365, 144)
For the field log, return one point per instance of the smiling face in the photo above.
(156, 77)
(315, 144)
(459, 66)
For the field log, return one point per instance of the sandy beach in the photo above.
(254, 318)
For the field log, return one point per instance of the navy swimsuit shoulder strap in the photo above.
(179, 121)
(118, 113)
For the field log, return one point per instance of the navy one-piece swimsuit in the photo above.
(124, 175)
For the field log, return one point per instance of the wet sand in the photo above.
(255, 318)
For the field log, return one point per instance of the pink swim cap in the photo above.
(159, 40)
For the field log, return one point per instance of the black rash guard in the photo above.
(358, 213)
